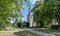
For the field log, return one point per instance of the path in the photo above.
(41, 33)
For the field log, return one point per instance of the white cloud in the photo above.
(33, 1)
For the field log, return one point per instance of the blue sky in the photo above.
(25, 10)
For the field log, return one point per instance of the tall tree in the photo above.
(9, 9)
(47, 10)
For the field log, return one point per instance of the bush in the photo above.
(55, 27)
(2, 27)
(27, 24)
(19, 24)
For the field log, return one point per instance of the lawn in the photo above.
(17, 33)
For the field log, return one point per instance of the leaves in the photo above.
(10, 9)
(46, 11)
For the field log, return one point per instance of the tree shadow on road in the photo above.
(25, 33)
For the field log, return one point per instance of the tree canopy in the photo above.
(10, 9)
(45, 11)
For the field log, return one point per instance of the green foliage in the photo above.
(46, 11)
(10, 9)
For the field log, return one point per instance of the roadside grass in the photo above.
(17, 33)
(7, 34)
(53, 31)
